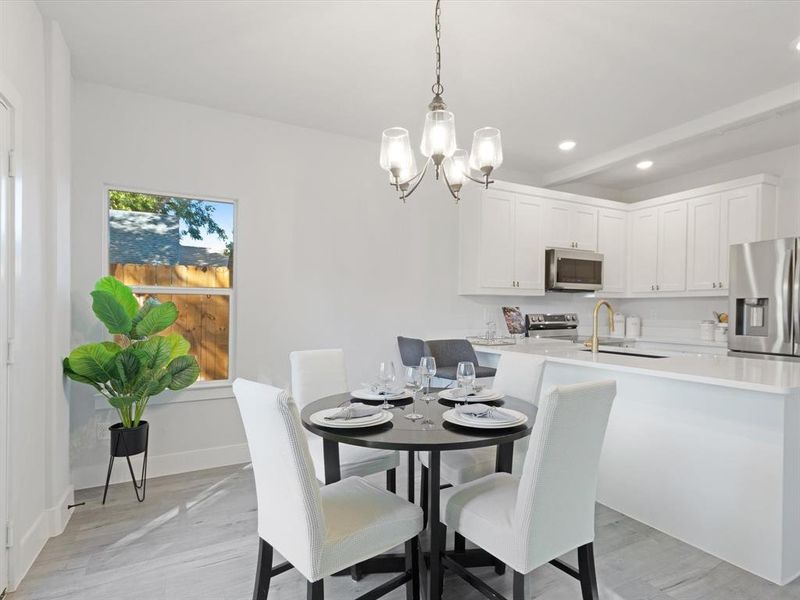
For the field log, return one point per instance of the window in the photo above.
(179, 250)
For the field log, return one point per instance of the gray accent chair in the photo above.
(448, 353)
(411, 350)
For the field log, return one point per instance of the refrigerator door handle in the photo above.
(795, 304)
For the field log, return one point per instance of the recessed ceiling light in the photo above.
(644, 165)
(567, 145)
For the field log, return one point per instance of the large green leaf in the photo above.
(146, 306)
(127, 365)
(158, 318)
(110, 312)
(79, 378)
(121, 292)
(184, 371)
(157, 386)
(158, 351)
(178, 344)
(121, 402)
(94, 361)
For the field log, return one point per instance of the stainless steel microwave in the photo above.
(573, 270)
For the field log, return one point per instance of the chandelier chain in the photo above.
(437, 87)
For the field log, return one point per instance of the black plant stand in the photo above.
(126, 443)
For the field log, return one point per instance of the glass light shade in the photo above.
(487, 150)
(396, 155)
(456, 167)
(405, 173)
(439, 135)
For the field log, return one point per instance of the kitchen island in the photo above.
(704, 448)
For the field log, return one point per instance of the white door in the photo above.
(497, 240)
(644, 250)
(611, 238)
(558, 227)
(584, 227)
(703, 252)
(671, 248)
(5, 264)
(528, 246)
(740, 223)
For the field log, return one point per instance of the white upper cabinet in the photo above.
(611, 243)
(571, 225)
(671, 248)
(747, 215)
(528, 246)
(497, 229)
(644, 250)
(703, 250)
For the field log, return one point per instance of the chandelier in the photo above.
(439, 145)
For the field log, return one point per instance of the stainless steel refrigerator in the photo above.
(764, 309)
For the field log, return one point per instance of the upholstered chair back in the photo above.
(555, 505)
(448, 353)
(290, 514)
(316, 374)
(520, 375)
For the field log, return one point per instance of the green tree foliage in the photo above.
(198, 216)
(138, 364)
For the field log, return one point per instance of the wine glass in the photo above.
(414, 385)
(386, 375)
(465, 374)
(427, 366)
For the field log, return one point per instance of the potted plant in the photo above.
(136, 366)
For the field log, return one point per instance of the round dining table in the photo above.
(410, 436)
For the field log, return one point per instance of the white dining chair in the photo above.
(319, 530)
(320, 373)
(531, 520)
(518, 375)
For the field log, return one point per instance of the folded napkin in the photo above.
(484, 411)
(354, 410)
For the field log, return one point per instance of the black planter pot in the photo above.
(127, 442)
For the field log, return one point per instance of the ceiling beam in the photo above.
(750, 111)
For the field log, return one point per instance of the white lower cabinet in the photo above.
(612, 228)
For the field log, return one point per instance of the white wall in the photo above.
(327, 256)
(34, 70)
(784, 163)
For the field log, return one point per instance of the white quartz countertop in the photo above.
(771, 376)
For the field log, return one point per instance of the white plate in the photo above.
(452, 416)
(366, 394)
(318, 418)
(485, 395)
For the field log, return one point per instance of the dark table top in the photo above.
(403, 434)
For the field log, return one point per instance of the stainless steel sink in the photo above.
(625, 353)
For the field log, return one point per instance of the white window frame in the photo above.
(200, 390)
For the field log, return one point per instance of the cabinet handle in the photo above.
(653, 288)
(658, 287)
(720, 284)
(713, 285)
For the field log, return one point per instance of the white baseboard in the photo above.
(49, 523)
(160, 465)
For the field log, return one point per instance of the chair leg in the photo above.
(423, 495)
(391, 480)
(459, 544)
(263, 570)
(522, 584)
(587, 572)
(355, 572)
(412, 564)
(499, 566)
(315, 590)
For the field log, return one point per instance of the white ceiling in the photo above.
(603, 73)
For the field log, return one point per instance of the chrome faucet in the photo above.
(594, 342)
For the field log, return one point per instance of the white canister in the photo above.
(707, 330)
(633, 327)
(619, 325)
(721, 332)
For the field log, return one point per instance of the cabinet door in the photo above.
(496, 255)
(584, 227)
(644, 250)
(528, 246)
(672, 248)
(739, 223)
(558, 231)
(703, 252)
(611, 242)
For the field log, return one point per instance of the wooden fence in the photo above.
(204, 319)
